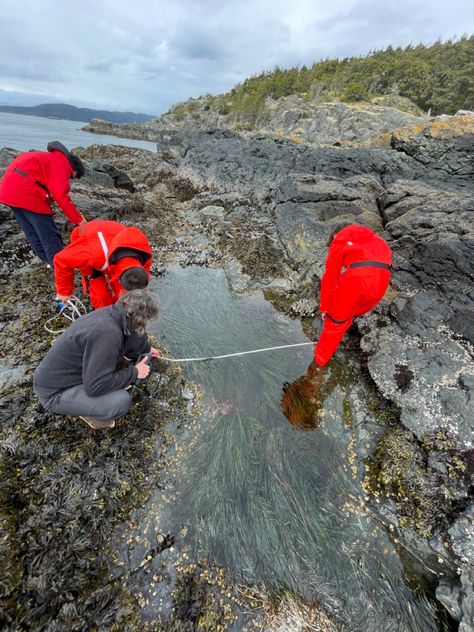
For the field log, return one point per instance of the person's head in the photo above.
(77, 165)
(337, 229)
(75, 162)
(139, 307)
(135, 278)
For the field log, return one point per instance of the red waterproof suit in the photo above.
(36, 178)
(367, 259)
(93, 251)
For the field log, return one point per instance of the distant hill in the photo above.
(72, 113)
(438, 78)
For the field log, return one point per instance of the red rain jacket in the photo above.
(91, 251)
(36, 178)
(348, 292)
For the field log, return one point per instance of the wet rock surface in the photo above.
(262, 208)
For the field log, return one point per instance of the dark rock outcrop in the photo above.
(444, 143)
(431, 232)
(120, 179)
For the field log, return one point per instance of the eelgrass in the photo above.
(271, 503)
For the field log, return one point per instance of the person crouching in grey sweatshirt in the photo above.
(81, 375)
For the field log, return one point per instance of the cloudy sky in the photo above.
(145, 55)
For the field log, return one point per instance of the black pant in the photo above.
(41, 232)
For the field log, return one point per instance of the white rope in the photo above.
(72, 309)
(231, 355)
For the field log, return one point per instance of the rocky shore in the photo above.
(294, 117)
(78, 548)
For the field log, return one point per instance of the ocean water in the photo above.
(33, 132)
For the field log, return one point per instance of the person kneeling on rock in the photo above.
(357, 275)
(82, 374)
(112, 258)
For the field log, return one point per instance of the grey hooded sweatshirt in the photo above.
(88, 353)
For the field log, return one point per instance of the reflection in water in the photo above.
(273, 504)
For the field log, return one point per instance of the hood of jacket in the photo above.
(354, 233)
(357, 243)
(130, 237)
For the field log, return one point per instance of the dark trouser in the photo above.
(75, 402)
(41, 232)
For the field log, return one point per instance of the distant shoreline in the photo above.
(49, 118)
(66, 112)
(24, 132)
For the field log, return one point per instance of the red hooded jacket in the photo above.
(36, 178)
(92, 250)
(348, 291)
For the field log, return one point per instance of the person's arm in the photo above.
(65, 262)
(136, 346)
(331, 275)
(58, 186)
(102, 353)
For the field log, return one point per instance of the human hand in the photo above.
(323, 315)
(63, 298)
(84, 221)
(143, 368)
(154, 353)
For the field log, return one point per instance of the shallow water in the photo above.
(23, 132)
(275, 502)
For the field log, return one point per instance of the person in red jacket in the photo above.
(30, 185)
(111, 257)
(357, 274)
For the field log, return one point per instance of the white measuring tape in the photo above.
(231, 355)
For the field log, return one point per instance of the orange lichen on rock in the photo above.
(458, 125)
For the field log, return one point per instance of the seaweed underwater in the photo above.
(274, 505)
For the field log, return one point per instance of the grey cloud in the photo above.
(32, 72)
(99, 66)
(199, 46)
(146, 56)
(24, 98)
